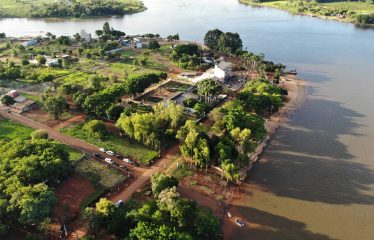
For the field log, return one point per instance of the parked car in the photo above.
(102, 149)
(229, 214)
(239, 222)
(119, 203)
(108, 160)
(98, 156)
(110, 153)
(126, 160)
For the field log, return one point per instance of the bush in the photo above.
(95, 128)
(190, 102)
(39, 134)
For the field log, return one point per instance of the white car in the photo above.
(108, 160)
(102, 149)
(229, 214)
(110, 153)
(239, 222)
(126, 160)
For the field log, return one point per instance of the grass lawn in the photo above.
(74, 154)
(12, 130)
(360, 7)
(100, 175)
(120, 145)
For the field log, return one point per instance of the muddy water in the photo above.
(316, 180)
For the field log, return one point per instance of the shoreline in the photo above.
(306, 14)
(295, 99)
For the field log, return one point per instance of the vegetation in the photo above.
(160, 182)
(168, 216)
(187, 56)
(154, 129)
(120, 145)
(360, 12)
(54, 105)
(73, 8)
(225, 42)
(25, 168)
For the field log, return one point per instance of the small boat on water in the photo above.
(293, 72)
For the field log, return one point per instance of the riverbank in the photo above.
(337, 11)
(296, 97)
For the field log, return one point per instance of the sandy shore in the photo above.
(296, 98)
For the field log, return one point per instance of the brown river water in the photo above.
(316, 179)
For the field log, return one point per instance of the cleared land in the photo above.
(120, 145)
(101, 176)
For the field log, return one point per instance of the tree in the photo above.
(207, 225)
(106, 28)
(212, 37)
(7, 100)
(114, 111)
(209, 89)
(25, 62)
(167, 199)
(39, 134)
(95, 128)
(230, 171)
(242, 138)
(99, 33)
(34, 202)
(2, 35)
(41, 59)
(153, 44)
(230, 42)
(184, 211)
(194, 144)
(160, 181)
(54, 105)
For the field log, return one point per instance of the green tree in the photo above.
(160, 181)
(209, 89)
(230, 42)
(106, 28)
(35, 203)
(230, 171)
(207, 225)
(99, 33)
(7, 100)
(212, 37)
(153, 44)
(41, 59)
(95, 128)
(54, 105)
(114, 111)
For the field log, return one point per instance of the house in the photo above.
(85, 36)
(223, 70)
(52, 62)
(30, 42)
(126, 43)
(23, 106)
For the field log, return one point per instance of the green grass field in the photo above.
(100, 175)
(11, 130)
(122, 146)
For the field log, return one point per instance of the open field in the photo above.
(122, 146)
(11, 130)
(101, 176)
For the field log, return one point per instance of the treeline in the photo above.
(87, 8)
(365, 18)
(97, 103)
(28, 171)
(166, 216)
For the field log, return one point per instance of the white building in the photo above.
(85, 36)
(30, 43)
(223, 70)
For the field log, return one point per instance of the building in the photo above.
(85, 36)
(30, 42)
(223, 70)
(21, 104)
(13, 93)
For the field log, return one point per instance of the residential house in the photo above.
(30, 42)
(223, 71)
(85, 36)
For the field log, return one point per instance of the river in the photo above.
(316, 180)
